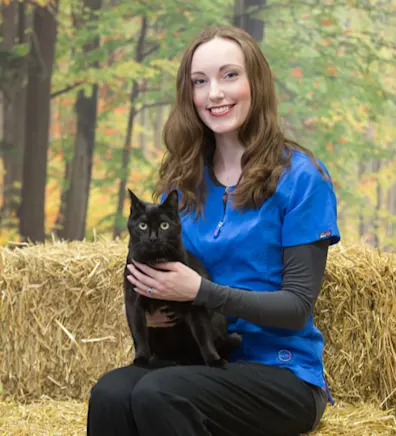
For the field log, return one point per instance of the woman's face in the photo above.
(221, 87)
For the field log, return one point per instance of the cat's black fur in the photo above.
(200, 337)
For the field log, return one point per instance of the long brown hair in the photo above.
(189, 143)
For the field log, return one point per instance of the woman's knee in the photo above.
(116, 386)
(157, 386)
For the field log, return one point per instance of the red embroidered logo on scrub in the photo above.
(325, 234)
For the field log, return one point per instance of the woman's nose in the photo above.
(216, 92)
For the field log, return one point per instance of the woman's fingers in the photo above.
(163, 324)
(162, 318)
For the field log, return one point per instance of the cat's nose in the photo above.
(153, 237)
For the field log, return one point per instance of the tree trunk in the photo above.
(369, 216)
(158, 124)
(363, 226)
(391, 225)
(13, 105)
(32, 211)
(59, 224)
(143, 141)
(77, 196)
(119, 224)
(245, 19)
(378, 204)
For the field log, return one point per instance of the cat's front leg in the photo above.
(200, 326)
(137, 325)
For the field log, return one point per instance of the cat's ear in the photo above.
(136, 204)
(171, 201)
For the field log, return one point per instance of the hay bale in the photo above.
(68, 418)
(63, 322)
(42, 418)
(62, 318)
(357, 314)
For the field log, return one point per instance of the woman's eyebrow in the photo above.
(222, 68)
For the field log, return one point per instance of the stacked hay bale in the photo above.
(68, 418)
(62, 318)
(356, 312)
(63, 322)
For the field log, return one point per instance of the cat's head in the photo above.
(154, 229)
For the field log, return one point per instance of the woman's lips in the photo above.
(219, 111)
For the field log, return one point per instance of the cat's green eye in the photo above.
(164, 225)
(143, 226)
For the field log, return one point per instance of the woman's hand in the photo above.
(175, 281)
(161, 318)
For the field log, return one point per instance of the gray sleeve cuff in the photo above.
(211, 295)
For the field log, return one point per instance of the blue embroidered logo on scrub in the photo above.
(284, 355)
(325, 234)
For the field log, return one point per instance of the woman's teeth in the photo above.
(219, 110)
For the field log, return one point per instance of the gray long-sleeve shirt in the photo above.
(290, 307)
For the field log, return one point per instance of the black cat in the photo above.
(200, 336)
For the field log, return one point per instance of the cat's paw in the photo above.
(234, 339)
(219, 363)
(141, 360)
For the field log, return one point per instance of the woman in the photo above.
(260, 213)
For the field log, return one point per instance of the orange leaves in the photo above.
(56, 129)
(121, 110)
(161, 35)
(329, 146)
(336, 184)
(297, 72)
(332, 70)
(326, 23)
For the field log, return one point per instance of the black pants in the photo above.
(247, 399)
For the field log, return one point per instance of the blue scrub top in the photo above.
(246, 253)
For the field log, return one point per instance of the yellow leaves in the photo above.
(44, 3)
(41, 3)
(169, 66)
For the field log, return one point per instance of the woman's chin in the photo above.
(225, 132)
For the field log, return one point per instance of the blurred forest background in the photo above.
(86, 85)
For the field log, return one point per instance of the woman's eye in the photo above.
(231, 75)
(143, 226)
(198, 82)
(164, 226)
